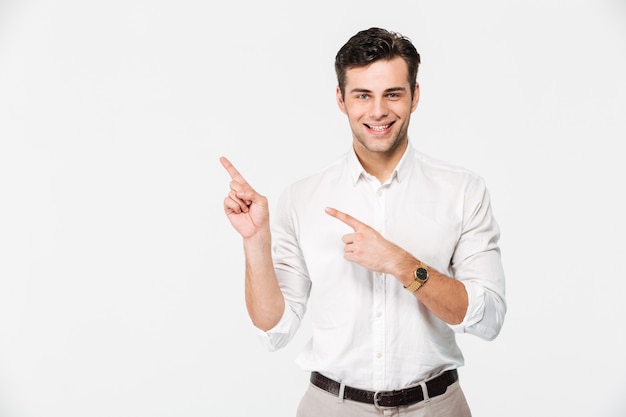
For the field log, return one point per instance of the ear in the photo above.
(416, 97)
(340, 102)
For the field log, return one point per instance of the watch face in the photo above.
(421, 274)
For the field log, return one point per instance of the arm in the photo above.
(472, 299)
(476, 263)
(248, 212)
(444, 296)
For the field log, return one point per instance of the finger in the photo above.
(233, 206)
(243, 204)
(239, 189)
(344, 217)
(242, 192)
(232, 171)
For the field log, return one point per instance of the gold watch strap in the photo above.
(412, 287)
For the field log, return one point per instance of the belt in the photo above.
(406, 396)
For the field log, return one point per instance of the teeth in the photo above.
(379, 128)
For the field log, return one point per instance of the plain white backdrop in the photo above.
(121, 281)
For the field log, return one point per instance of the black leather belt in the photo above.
(406, 396)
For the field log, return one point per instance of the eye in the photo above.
(362, 96)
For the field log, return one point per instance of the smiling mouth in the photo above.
(380, 128)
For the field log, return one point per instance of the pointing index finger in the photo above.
(232, 171)
(344, 217)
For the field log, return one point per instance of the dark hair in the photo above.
(371, 45)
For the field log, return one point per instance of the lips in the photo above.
(379, 128)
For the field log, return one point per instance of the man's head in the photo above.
(378, 91)
(371, 45)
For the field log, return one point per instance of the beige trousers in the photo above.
(319, 403)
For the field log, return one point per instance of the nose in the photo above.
(378, 108)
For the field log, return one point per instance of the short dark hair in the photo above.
(374, 44)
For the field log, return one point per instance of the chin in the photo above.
(381, 145)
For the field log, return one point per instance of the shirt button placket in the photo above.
(378, 307)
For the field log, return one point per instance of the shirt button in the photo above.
(379, 314)
(379, 355)
(379, 193)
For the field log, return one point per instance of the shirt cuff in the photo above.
(279, 335)
(475, 307)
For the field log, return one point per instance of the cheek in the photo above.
(355, 111)
(404, 110)
(354, 119)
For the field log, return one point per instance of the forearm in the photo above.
(444, 296)
(264, 299)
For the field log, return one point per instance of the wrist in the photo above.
(259, 239)
(405, 268)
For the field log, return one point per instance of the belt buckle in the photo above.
(376, 404)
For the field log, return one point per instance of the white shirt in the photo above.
(367, 330)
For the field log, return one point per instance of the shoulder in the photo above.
(445, 181)
(443, 171)
(329, 174)
(435, 165)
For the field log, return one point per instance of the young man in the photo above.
(391, 251)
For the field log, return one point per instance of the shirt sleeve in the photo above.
(477, 264)
(280, 335)
(292, 274)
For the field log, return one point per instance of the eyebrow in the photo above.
(387, 91)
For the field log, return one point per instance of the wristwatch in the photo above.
(421, 276)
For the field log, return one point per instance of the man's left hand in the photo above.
(367, 247)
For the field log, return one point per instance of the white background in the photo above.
(121, 281)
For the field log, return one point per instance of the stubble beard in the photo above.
(383, 148)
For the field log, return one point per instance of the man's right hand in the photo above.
(246, 209)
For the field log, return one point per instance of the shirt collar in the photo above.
(400, 172)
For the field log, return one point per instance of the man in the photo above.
(390, 250)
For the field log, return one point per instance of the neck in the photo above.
(380, 164)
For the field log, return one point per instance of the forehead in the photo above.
(381, 74)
